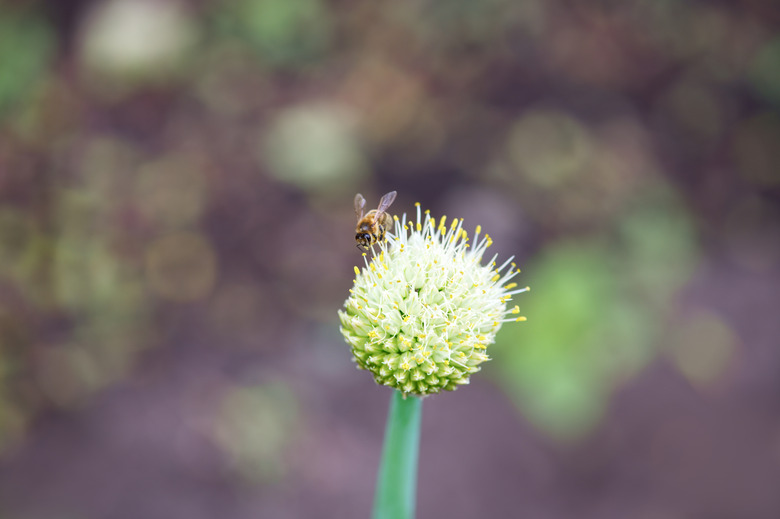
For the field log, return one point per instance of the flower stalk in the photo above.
(397, 479)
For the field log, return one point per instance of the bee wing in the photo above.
(360, 205)
(384, 203)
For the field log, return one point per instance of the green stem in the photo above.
(397, 481)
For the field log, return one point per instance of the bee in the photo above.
(372, 226)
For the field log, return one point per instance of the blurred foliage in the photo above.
(26, 52)
(283, 32)
(765, 71)
(169, 166)
(257, 428)
(594, 314)
(703, 347)
(316, 149)
(127, 43)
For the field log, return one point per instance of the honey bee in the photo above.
(372, 226)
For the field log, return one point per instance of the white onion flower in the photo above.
(424, 310)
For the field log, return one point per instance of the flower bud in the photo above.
(423, 311)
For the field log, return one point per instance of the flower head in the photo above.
(424, 309)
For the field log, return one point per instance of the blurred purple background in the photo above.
(177, 233)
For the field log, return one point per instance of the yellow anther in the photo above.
(495, 278)
(478, 229)
(357, 271)
(521, 318)
(417, 204)
(443, 219)
(510, 286)
(516, 310)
